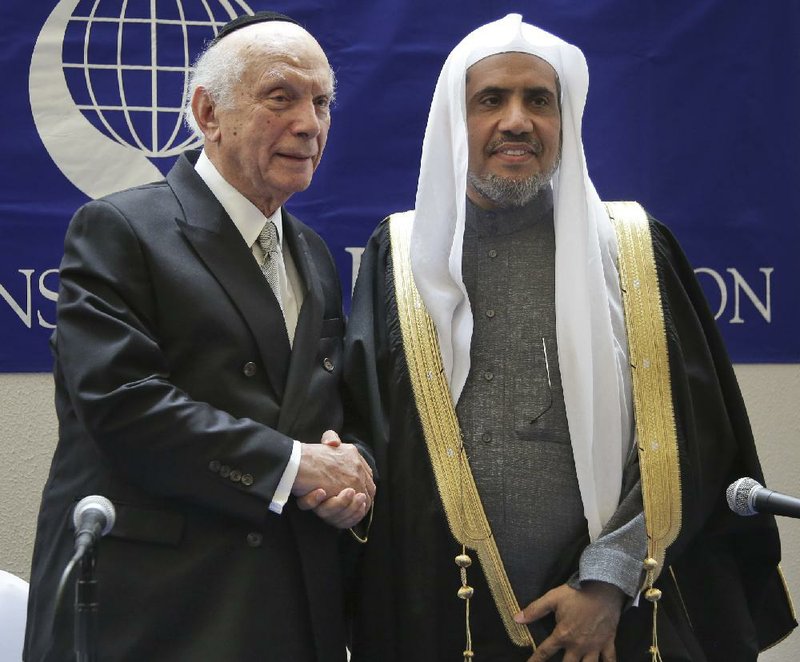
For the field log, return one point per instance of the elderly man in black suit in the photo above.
(197, 361)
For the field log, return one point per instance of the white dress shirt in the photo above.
(249, 221)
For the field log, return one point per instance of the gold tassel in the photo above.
(655, 653)
(653, 595)
(463, 561)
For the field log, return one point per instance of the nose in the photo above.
(516, 119)
(307, 122)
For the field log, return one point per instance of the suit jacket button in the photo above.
(254, 539)
(224, 471)
(327, 364)
(249, 369)
(247, 480)
(236, 475)
(214, 466)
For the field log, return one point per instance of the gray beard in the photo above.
(507, 192)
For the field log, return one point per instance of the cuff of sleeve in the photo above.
(613, 567)
(284, 489)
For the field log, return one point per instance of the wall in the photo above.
(28, 432)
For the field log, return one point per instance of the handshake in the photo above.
(334, 481)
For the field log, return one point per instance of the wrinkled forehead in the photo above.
(267, 47)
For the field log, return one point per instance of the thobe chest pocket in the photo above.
(539, 410)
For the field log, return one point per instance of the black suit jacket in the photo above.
(178, 398)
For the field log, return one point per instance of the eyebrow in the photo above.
(278, 79)
(496, 89)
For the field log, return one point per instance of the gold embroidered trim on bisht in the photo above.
(791, 609)
(454, 480)
(652, 393)
(652, 388)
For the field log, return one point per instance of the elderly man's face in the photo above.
(271, 141)
(513, 126)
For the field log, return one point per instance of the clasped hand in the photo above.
(334, 481)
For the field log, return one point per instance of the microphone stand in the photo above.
(86, 610)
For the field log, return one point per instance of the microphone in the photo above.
(748, 497)
(93, 518)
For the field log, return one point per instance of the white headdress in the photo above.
(592, 345)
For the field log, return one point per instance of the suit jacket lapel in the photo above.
(219, 244)
(309, 324)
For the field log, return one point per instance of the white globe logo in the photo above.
(107, 84)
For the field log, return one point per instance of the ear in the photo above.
(205, 114)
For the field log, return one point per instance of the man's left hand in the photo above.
(343, 510)
(586, 622)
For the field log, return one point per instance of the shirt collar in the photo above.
(247, 218)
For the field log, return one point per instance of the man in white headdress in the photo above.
(502, 380)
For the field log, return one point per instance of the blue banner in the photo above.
(692, 111)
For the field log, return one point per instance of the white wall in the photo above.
(772, 394)
(28, 433)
